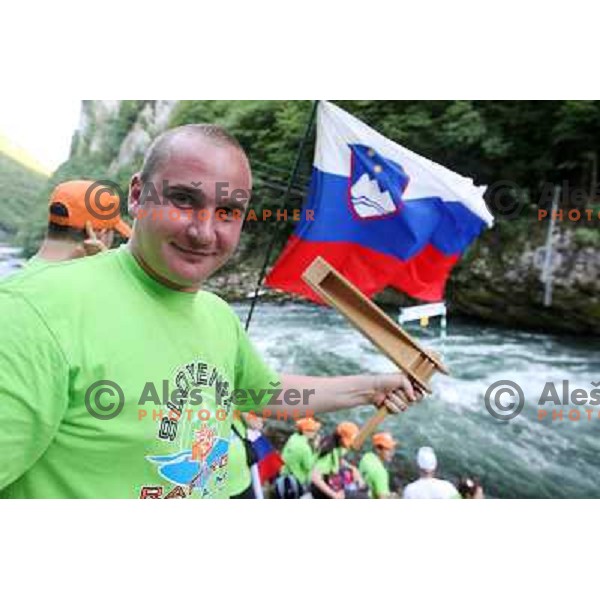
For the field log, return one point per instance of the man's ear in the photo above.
(135, 195)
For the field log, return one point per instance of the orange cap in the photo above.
(308, 425)
(90, 201)
(347, 431)
(384, 440)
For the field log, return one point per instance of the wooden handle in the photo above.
(418, 363)
(373, 423)
(371, 321)
(369, 427)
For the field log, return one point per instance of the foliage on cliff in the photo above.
(20, 187)
(529, 143)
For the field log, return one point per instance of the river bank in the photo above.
(481, 289)
(504, 291)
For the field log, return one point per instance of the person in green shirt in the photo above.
(298, 453)
(327, 476)
(372, 465)
(73, 230)
(119, 376)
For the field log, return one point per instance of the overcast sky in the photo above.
(41, 126)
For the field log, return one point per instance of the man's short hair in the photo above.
(63, 232)
(160, 148)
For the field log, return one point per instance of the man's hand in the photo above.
(395, 392)
(94, 244)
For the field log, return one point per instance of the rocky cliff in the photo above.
(119, 131)
(505, 285)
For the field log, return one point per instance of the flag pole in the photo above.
(286, 196)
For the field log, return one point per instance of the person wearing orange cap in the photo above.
(372, 465)
(76, 228)
(299, 459)
(331, 472)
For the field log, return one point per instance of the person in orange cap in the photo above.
(331, 472)
(299, 458)
(82, 219)
(372, 465)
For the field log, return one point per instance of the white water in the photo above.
(9, 259)
(525, 457)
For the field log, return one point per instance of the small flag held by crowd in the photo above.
(268, 459)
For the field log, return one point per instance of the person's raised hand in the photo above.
(395, 392)
(93, 244)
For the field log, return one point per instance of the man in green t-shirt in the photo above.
(372, 465)
(73, 230)
(119, 377)
(298, 453)
(328, 479)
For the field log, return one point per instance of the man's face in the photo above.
(187, 227)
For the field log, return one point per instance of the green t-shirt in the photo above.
(375, 474)
(330, 463)
(102, 318)
(240, 477)
(299, 458)
(35, 263)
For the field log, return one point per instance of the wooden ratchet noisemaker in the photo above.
(416, 362)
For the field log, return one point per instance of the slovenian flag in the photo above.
(268, 459)
(381, 214)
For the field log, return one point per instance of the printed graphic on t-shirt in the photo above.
(196, 428)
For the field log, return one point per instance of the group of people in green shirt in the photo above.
(320, 467)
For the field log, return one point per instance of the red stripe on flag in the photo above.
(269, 467)
(424, 276)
